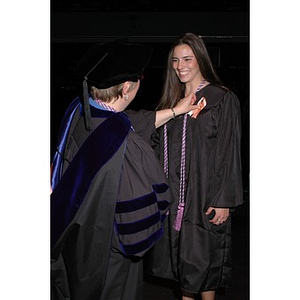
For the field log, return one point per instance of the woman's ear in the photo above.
(125, 89)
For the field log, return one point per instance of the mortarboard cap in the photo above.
(109, 64)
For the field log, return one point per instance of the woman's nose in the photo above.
(179, 64)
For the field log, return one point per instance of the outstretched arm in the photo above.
(184, 105)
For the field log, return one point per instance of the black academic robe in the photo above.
(111, 185)
(201, 252)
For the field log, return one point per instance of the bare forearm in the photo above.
(164, 115)
(183, 106)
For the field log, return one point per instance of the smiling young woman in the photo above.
(201, 157)
(186, 67)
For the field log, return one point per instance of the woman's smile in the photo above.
(185, 64)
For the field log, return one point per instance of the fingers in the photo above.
(190, 100)
(201, 104)
(187, 104)
(220, 217)
(193, 98)
(209, 210)
(195, 113)
(218, 221)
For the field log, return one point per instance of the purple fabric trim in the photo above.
(70, 192)
(160, 188)
(143, 245)
(135, 204)
(134, 227)
(63, 134)
(163, 205)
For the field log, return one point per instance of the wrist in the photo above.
(173, 113)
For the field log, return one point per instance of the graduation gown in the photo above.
(106, 183)
(200, 253)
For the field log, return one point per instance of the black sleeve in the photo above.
(227, 156)
(143, 122)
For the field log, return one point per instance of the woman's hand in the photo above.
(221, 215)
(186, 105)
(183, 106)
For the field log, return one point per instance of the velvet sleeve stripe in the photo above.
(135, 204)
(160, 188)
(142, 246)
(163, 205)
(138, 222)
(134, 227)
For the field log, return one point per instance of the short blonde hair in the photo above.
(106, 95)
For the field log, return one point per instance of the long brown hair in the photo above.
(173, 89)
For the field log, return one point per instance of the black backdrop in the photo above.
(224, 26)
(231, 59)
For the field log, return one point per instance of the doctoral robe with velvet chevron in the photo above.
(108, 191)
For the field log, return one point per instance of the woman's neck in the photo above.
(191, 87)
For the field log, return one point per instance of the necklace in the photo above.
(181, 201)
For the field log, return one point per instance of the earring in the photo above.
(125, 97)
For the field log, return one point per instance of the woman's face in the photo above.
(185, 64)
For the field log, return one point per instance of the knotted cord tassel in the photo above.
(179, 216)
(86, 107)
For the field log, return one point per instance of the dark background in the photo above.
(223, 25)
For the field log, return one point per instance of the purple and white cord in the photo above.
(181, 202)
(103, 104)
(166, 156)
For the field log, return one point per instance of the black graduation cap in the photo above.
(109, 64)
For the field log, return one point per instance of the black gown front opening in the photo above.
(200, 255)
